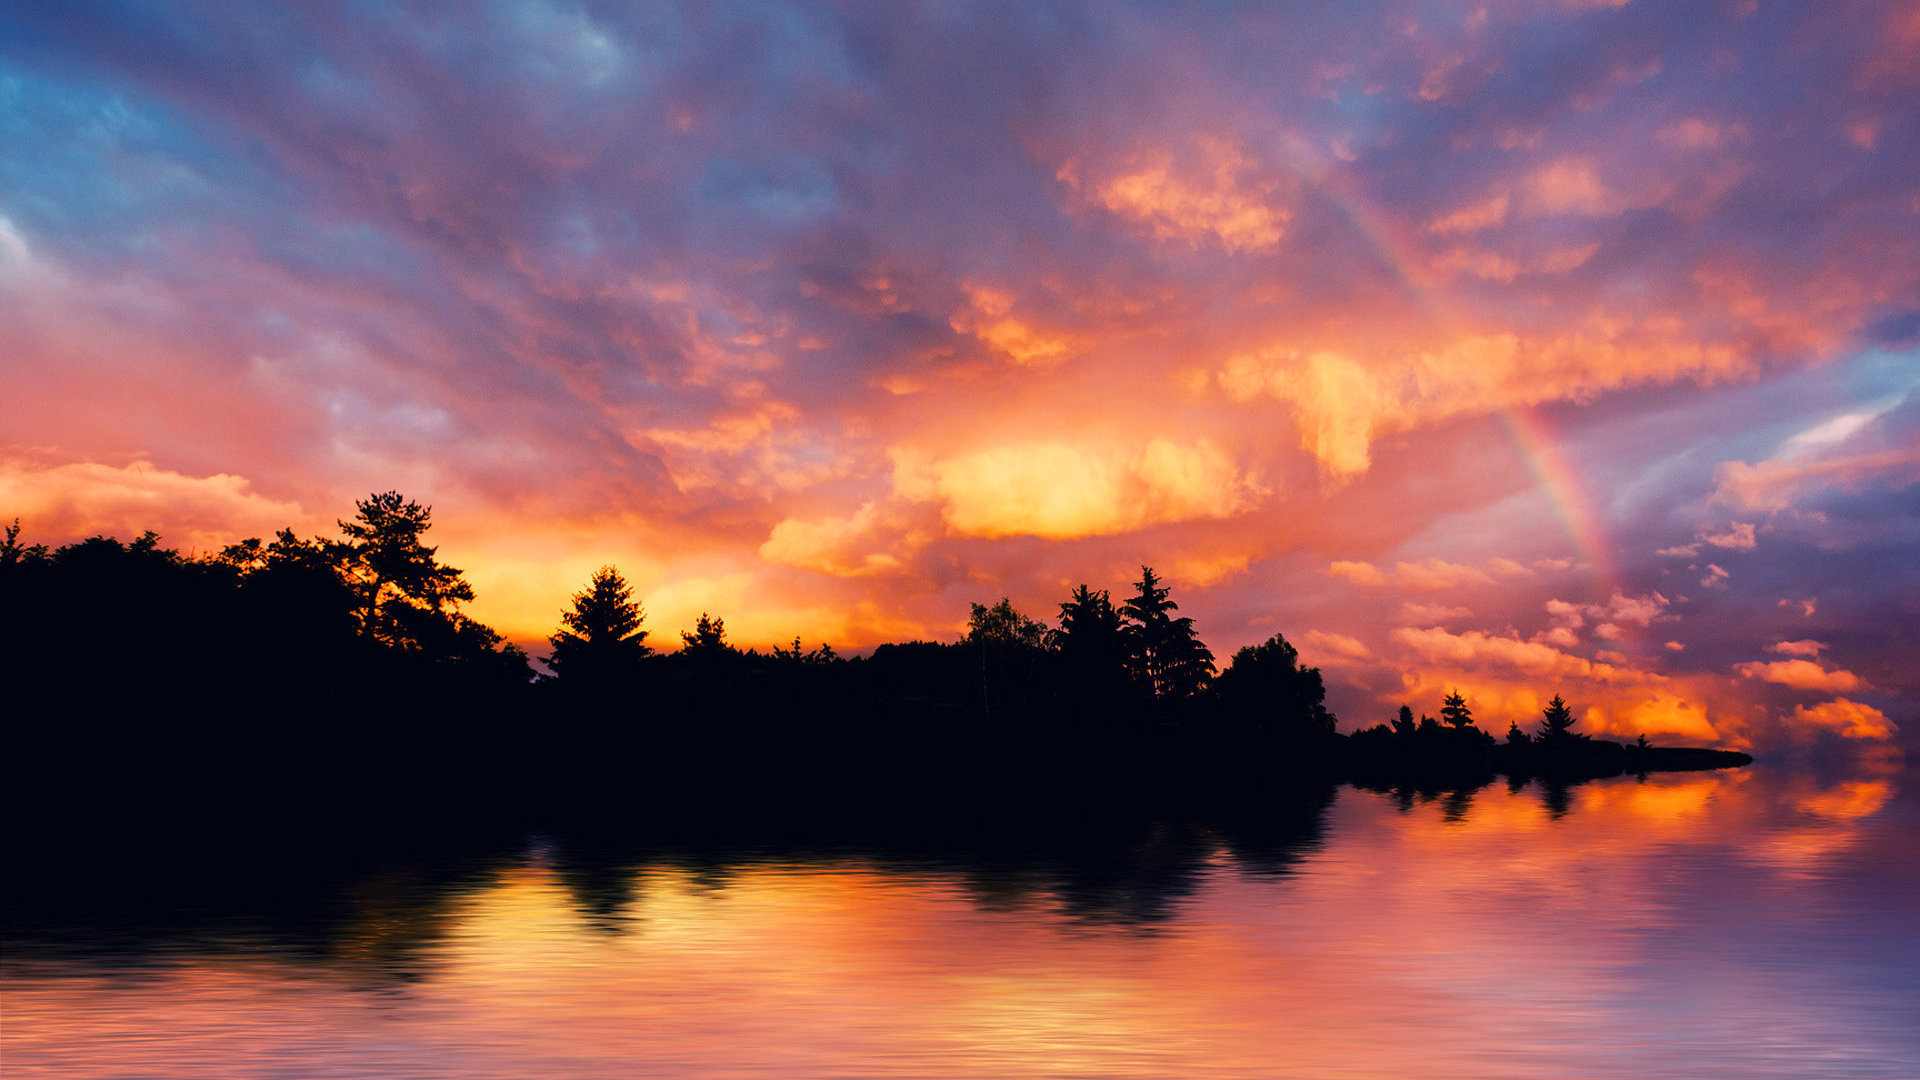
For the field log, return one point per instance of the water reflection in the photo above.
(1727, 924)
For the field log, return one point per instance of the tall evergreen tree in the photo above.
(1453, 710)
(1556, 723)
(1170, 659)
(603, 637)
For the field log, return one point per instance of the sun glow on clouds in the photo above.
(1064, 490)
(794, 333)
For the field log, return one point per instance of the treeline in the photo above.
(344, 670)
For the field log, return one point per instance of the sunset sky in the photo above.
(1517, 347)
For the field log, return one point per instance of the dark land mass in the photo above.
(309, 693)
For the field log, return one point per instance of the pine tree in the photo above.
(1556, 722)
(1453, 710)
(603, 636)
(1170, 659)
(707, 638)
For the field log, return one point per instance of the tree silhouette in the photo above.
(1453, 710)
(392, 571)
(1556, 723)
(1095, 648)
(1265, 687)
(1171, 661)
(1403, 722)
(707, 638)
(1002, 625)
(603, 638)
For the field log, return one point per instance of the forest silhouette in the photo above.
(338, 678)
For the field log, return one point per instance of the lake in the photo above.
(1737, 924)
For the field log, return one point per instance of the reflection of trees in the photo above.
(371, 914)
(375, 914)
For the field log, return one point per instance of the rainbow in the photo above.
(1535, 444)
(1540, 452)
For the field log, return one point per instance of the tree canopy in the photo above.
(1169, 657)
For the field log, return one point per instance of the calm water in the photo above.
(1719, 925)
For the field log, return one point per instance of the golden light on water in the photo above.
(1492, 938)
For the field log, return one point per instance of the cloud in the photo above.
(1739, 537)
(986, 317)
(1072, 490)
(832, 545)
(1425, 575)
(1472, 218)
(1801, 675)
(1508, 680)
(1343, 400)
(1852, 719)
(1337, 647)
(1776, 484)
(1359, 573)
(1209, 195)
(1807, 648)
(1716, 578)
(202, 513)
(1433, 614)
(1640, 611)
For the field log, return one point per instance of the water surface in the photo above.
(1741, 924)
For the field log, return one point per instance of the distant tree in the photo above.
(1556, 723)
(1453, 710)
(14, 553)
(797, 653)
(1403, 722)
(707, 638)
(1516, 737)
(1171, 660)
(1002, 625)
(392, 571)
(603, 637)
(1265, 686)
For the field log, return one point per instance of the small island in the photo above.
(329, 679)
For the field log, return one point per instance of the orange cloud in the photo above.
(1203, 198)
(200, 513)
(1427, 575)
(987, 318)
(1852, 719)
(1058, 489)
(1343, 400)
(1801, 675)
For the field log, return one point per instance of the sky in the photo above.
(1544, 346)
